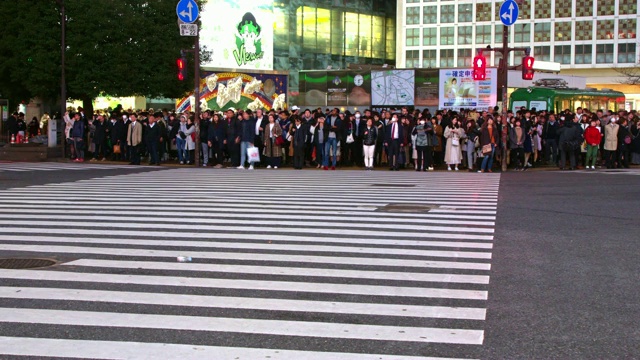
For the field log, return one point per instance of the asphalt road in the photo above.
(565, 270)
(563, 281)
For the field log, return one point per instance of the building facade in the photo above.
(321, 34)
(581, 35)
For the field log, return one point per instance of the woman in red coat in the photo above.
(592, 136)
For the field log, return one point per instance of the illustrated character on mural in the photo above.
(248, 40)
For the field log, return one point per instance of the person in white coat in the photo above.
(190, 145)
(453, 152)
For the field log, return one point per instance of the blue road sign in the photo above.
(509, 12)
(187, 11)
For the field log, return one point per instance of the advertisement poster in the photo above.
(392, 88)
(224, 90)
(313, 88)
(458, 89)
(359, 89)
(337, 88)
(239, 33)
(427, 87)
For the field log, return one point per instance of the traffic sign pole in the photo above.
(196, 104)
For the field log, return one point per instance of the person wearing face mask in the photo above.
(423, 133)
(394, 133)
(370, 135)
(611, 142)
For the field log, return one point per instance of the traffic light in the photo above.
(479, 68)
(182, 68)
(527, 68)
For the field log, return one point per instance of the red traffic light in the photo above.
(182, 68)
(527, 67)
(479, 68)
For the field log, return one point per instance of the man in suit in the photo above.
(393, 141)
(331, 145)
(134, 139)
(217, 139)
(261, 123)
(233, 140)
(153, 136)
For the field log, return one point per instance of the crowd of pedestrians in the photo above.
(482, 141)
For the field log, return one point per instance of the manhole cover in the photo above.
(407, 208)
(393, 185)
(25, 263)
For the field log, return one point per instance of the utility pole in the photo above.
(63, 77)
(196, 93)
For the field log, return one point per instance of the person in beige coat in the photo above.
(134, 139)
(611, 142)
(453, 152)
(272, 150)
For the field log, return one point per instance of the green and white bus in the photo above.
(559, 99)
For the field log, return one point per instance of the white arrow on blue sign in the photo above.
(509, 12)
(187, 11)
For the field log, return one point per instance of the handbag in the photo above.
(279, 140)
(455, 142)
(116, 149)
(486, 149)
(350, 139)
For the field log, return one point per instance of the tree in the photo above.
(631, 74)
(119, 48)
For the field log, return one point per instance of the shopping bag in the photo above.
(253, 154)
(116, 149)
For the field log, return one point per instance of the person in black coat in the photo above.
(217, 139)
(299, 133)
(152, 137)
(320, 136)
(624, 144)
(12, 125)
(233, 138)
(570, 138)
(100, 138)
(393, 141)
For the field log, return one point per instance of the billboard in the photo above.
(427, 87)
(239, 33)
(459, 90)
(392, 88)
(239, 90)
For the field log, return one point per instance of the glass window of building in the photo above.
(584, 54)
(413, 1)
(525, 11)
(464, 58)
(446, 58)
(413, 59)
(465, 13)
(584, 8)
(364, 35)
(390, 33)
(543, 9)
(604, 53)
(413, 37)
(563, 9)
(429, 59)
(447, 14)
(628, 7)
(604, 30)
(483, 12)
(351, 38)
(499, 33)
(542, 53)
(627, 53)
(377, 30)
(447, 35)
(430, 36)
(542, 32)
(562, 31)
(522, 32)
(465, 35)
(430, 15)
(413, 15)
(606, 7)
(584, 30)
(627, 29)
(562, 54)
(483, 35)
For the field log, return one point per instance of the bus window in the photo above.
(516, 105)
(539, 105)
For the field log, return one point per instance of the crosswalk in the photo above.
(285, 265)
(53, 166)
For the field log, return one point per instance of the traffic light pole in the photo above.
(196, 94)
